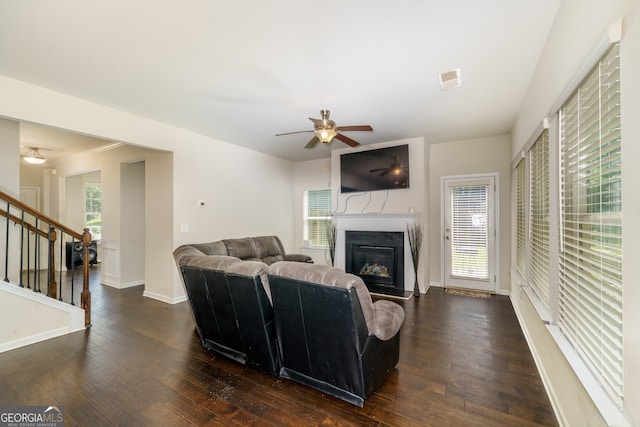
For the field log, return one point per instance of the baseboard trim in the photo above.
(164, 298)
(122, 285)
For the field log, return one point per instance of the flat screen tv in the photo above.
(373, 170)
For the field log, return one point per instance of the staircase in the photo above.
(29, 235)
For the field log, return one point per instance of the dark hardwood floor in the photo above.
(463, 362)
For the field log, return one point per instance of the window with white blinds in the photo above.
(590, 285)
(521, 226)
(539, 217)
(317, 217)
(469, 232)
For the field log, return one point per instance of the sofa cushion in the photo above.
(213, 248)
(389, 319)
(268, 246)
(269, 249)
(241, 248)
(209, 262)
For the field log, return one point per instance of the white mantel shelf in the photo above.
(397, 222)
(373, 219)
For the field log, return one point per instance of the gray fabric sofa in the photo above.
(267, 249)
(331, 336)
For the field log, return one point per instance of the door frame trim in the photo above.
(496, 209)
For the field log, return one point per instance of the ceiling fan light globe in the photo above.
(325, 135)
(34, 157)
(35, 160)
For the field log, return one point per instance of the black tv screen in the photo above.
(373, 170)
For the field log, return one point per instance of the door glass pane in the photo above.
(469, 232)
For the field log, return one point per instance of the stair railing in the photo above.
(47, 229)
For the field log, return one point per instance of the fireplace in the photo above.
(378, 225)
(377, 257)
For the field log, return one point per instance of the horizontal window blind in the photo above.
(317, 217)
(469, 232)
(521, 241)
(539, 213)
(590, 287)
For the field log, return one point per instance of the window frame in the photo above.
(94, 236)
(314, 240)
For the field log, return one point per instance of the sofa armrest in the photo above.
(297, 258)
(389, 317)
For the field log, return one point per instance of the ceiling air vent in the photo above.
(450, 79)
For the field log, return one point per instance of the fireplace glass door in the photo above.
(377, 257)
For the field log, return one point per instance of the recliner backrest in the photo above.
(205, 284)
(251, 297)
(329, 276)
(269, 248)
(241, 248)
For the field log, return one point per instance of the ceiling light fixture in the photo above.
(34, 157)
(325, 135)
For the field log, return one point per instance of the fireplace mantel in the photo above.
(376, 222)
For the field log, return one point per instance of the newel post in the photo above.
(85, 296)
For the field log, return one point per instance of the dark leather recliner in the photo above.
(331, 336)
(231, 306)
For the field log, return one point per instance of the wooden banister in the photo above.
(28, 209)
(51, 235)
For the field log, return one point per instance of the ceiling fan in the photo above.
(325, 130)
(396, 168)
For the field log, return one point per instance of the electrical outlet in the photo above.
(201, 203)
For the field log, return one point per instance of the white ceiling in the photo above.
(242, 71)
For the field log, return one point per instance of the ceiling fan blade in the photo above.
(355, 128)
(316, 122)
(312, 143)
(347, 140)
(378, 170)
(290, 133)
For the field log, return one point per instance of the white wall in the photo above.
(245, 192)
(579, 27)
(75, 198)
(159, 230)
(474, 156)
(30, 317)
(132, 220)
(309, 175)
(10, 184)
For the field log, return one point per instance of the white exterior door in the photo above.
(469, 232)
